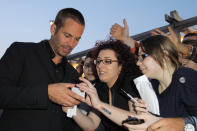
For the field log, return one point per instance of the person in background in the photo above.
(36, 78)
(115, 65)
(187, 48)
(89, 68)
(79, 68)
(190, 36)
(190, 39)
(89, 71)
(191, 61)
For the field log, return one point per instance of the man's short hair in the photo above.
(66, 13)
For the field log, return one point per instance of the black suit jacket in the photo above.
(25, 72)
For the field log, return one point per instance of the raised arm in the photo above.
(122, 33)
(184, 49)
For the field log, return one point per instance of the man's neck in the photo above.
(57, 59)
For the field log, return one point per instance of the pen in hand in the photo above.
(131, 98)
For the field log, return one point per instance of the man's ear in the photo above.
(53, 29)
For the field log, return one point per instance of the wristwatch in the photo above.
(189, 124)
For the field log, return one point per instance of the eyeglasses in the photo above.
(105, 61)
(142, 57)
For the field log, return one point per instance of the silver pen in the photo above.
(131, 98)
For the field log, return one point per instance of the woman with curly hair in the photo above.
(116, 68)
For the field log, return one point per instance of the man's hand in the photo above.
(168, 124)
(61, 94)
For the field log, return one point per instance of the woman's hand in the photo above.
(141, 106)
(92, 98)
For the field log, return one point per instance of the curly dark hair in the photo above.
(123, 54)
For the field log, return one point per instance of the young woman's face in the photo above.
(88, 69)
(148, 65)
(107, 67)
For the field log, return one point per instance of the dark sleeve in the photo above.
(188, 92)
(12, 94)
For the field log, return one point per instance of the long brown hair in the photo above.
(159, 47)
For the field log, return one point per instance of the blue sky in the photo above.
(28, 20)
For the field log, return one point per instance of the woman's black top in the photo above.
(179, 99)
(118, 99)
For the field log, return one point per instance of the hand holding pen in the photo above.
(140, 105)
(128, 95)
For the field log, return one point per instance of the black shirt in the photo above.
(59, 71)
(59, 68)
(179, 98)
(26, 71)
(118, 99)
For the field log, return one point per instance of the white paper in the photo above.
(73, 111)
(147, 93)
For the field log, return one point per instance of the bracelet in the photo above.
(189, 120)
(194, 122)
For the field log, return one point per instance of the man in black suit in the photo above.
(35, 78)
